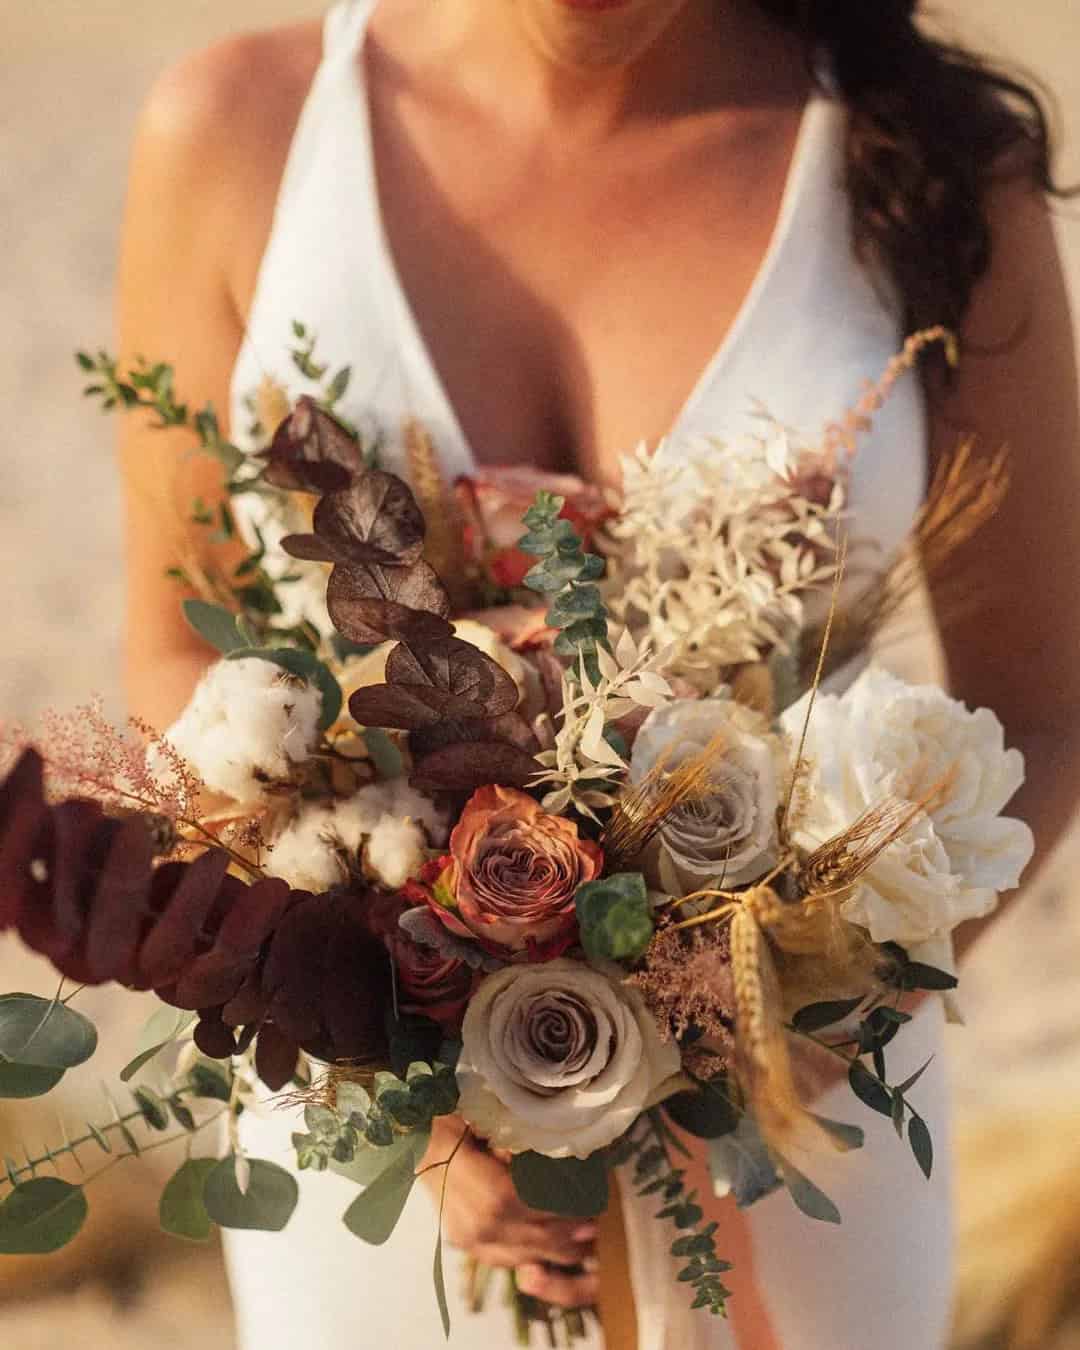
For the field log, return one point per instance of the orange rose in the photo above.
(494, 502)
(510, 879)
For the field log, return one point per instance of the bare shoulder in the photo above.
(241, 90)
(209, 151)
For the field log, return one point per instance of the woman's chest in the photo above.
(569, 304)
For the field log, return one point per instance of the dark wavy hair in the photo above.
(931, 126)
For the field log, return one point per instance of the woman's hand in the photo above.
(483, 1216)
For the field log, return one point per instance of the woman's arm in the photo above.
(1017, 649)
(208, 155)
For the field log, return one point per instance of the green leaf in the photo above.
(44, 1033)
(921, 1144)
(267, 1204)
(26, 1080)
(338, 385)
(903, 1087)
(921, 976)
(161, 1029)
(440, 1283)
(308, 667)
(371, 1161)
(154, 1110)
(182, 1209)
(813, 1202)
(387, 758)
(615, 917)
(707, 1112)
(41, 1216)
(373, 1215)
(214, 624)
(210, 1080)
(846, 1136)
(740, 1162)
(817, 1016)
(574, 1187)
(869, 1090)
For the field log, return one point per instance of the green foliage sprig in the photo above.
(394, 1106)
(649, 1144)
(568, 575)
(875, 1029)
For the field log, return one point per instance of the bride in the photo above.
(551, 229)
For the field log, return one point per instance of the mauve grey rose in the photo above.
(560, 1058)
(732, 831)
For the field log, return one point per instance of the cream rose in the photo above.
(884, 738)
(559, 1058)
(732, 831)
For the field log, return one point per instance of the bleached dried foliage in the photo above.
(717, 546)
(581, 767)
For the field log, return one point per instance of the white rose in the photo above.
(248, 725)
(885, 738)
(732, 831)
(559, 1058)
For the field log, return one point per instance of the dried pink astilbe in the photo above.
(85, 755)
(686, 983)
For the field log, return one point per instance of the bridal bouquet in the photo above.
(581, 872)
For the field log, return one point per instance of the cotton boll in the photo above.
(395, 851)
(383, 828)
(248, 723)
(307, 853)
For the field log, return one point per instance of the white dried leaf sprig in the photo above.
(717, 545)
(580, 766)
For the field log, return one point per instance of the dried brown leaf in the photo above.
(312, 452)
(374, 520)
(469, 765)
(373, 604)
(457, 670)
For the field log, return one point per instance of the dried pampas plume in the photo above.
(966, 491)
(443, 541)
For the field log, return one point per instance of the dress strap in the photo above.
(343, 29)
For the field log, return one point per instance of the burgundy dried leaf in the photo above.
(373, 604)
(248, 1004)
(25, 827)
(211, 979)
(466, 766)
(213, 1037)
(312, 452)
(255, 915)
(456, 669)
(118, 909)
(275, 1057)
(55, 927)
(374, 520)
(293, 972)
(242, 956)
(175, 939)
(357, 989)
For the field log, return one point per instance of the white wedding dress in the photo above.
(810, 332)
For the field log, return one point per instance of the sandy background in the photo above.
(74, 74)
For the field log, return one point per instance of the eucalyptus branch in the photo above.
(98, 1134)
(650, 1144)
(568, 576)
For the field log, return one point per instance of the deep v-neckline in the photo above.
(410, 340)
